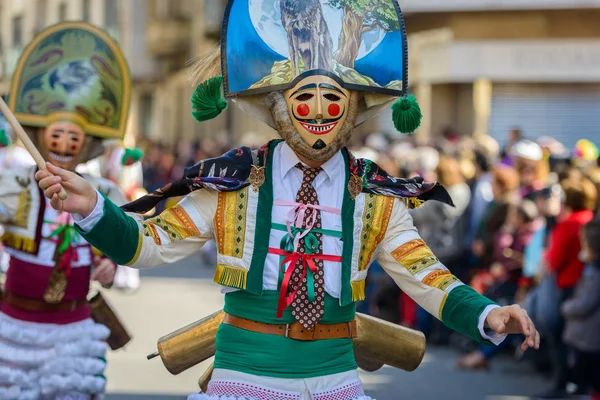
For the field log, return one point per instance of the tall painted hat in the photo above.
(73, 71)
(270, 45)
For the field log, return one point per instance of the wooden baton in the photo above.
(21, 134)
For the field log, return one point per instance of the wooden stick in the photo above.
(21, 134)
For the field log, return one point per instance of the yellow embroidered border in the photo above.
(150, 230)
(227, 275)
(407, 248)
(219, 221)
(175, 222)
(376, 216)
(241, 206)
(415, 256)
(230, 222)
(422, 264)
(358, 290)
(23, 210)
(138, 251)
(178, 220)
(434, 277)
(445, 283)
(442, 303)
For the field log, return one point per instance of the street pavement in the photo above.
(173, 296)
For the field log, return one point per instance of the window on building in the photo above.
(17, 31)
(145, 114)
(86, 10)
(111, 17)
(40, 16)
(62, 12)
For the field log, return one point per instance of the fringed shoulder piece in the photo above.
(227, 173)
(414, 191)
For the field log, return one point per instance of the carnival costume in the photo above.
(50, 346)
(295, 242)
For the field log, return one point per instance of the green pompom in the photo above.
(207, 102)
(406, 114)
(131, 156)
(4, 139)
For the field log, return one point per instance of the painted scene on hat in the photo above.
(269, 45)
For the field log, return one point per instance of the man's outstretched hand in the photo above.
(81, 198)
(514, 320)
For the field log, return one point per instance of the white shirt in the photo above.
(329, 185)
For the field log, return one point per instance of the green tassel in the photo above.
(131, 156)
(406, 114)
(4, 139)
(207, 102)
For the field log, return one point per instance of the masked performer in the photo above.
(298, 222)
(70, 91)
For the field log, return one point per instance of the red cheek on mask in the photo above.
(73, 147)
(303, 110)
(333, 110)
(54, 145)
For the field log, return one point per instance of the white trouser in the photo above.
(233, 385)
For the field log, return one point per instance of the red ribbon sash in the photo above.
(292, 259)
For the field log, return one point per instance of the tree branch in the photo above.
(371, 27)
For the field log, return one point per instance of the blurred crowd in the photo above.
(522, 230)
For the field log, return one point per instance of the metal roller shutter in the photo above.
(567, 112)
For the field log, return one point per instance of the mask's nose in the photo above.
(319, 116)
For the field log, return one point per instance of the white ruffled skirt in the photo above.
(233, 385)
(47, 361)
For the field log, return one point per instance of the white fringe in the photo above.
(47, 335)
(13, 376)
(69, 365)
(17, 393)
(72, 383)
(32, 357)
(47, 360)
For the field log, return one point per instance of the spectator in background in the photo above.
(582, 315)
(562, 259)
(443, 227)
(514, 136)
(505, 183)
(482, 195)
(528, 160)
(506, 271)
(150, 164)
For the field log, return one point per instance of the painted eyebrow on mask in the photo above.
(331, 87)
(309, 86)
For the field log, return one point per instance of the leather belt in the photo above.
(343, 330)
(35, 305)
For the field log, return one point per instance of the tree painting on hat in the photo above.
(360, 17)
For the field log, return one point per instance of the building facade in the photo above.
(484, 67)
(159, 38)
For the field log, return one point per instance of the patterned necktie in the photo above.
(308, 312)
